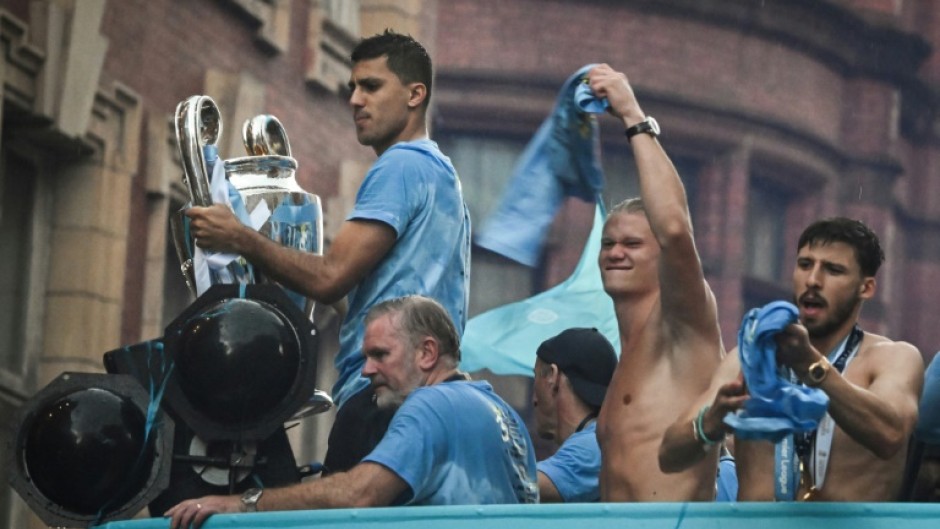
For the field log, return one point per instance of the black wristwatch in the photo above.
(250, 499)
(649, 126)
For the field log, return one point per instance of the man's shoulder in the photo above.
(881, 346)
(454, 388)
(439, 404)
(695, 320)
(412, 152)
(453, 391)
(881, 358)
(674, 339)
(412, 162)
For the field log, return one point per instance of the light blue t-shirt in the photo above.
(458, 443)
(414, 189)
(575, 466)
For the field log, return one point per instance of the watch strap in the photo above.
(647, 126)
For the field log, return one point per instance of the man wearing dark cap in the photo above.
(572, 371)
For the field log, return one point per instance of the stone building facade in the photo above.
(90, 171)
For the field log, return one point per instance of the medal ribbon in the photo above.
(819, 441)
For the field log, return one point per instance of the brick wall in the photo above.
(815, 103)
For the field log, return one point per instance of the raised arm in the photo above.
(687, 300)
(365, 485)
(682, 444)
(880, 417)
(358, 247)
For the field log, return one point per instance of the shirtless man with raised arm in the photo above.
(669, 336)
(873, 403)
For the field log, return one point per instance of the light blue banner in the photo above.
(504, 339)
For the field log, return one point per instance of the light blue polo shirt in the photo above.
(414, 189)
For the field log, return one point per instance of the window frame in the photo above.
(19, 381)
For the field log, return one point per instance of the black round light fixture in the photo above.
(234, 367)
(245, 362)
(239, 359)
(84, 452)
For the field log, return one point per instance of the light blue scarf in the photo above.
(777, 406)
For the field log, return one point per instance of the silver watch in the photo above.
(250, 499)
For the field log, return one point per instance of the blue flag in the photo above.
(504, 339)
(562, 159)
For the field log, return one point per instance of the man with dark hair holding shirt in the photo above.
(872, 383)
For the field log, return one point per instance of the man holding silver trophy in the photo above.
(408, 233)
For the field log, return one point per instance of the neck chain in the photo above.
(585, 421)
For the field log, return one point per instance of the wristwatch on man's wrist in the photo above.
(649, 126)
(250, 499)
(817, 372)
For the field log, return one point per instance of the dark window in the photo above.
(17, 191)
(766, 220)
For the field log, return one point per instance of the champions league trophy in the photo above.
(262, 191)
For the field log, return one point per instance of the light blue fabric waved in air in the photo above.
(561, 160)
(777, 406)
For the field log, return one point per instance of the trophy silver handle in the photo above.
(183, 245)
(198, 124)
(264, 135)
